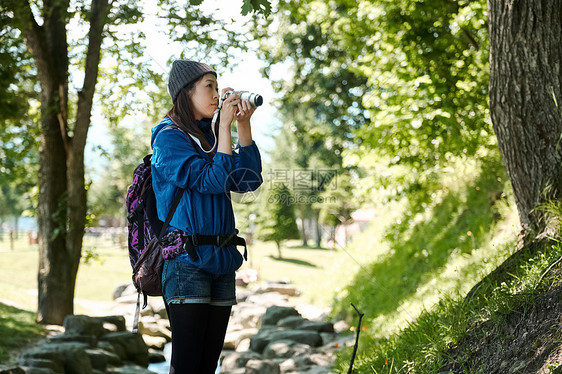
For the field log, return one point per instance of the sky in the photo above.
(245, 76)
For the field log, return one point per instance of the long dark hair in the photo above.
(182, 114)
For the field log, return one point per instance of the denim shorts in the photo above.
(184, 283)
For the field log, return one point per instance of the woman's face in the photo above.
(205, 97)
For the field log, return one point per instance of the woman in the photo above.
(199, 284)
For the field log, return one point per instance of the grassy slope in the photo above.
(454, 233)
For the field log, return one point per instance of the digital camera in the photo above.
(254, 98)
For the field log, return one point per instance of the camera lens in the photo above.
(258, 100)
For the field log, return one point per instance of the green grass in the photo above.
(17, 328)
(108, 265)
(423, 346)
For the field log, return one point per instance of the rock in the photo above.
(34, 370)
(317, 370)
(318, 326)
(155, 342)
(124, 289)
(127, 299)
(318, 359)
(113, 323)
(112, 358)
(274, 314)
(242, 294)
(129, 346)
(300, 323)
(233, 338)
(291, 322)
(90, 340)
(11, 370)
(149, 326)
(107, 346)
(288, 366)
(312, 312)
(55, 366)
(118, 290)
(333, 342)
(159, 309)
(236, 371)
(263, 338)
(156, 356)
(129, 369)
(98, 358)
(243, 346)
(285, 349)
(341, 326)
(262, 367)
(269, 299)
(70, 356)
(237, 360)
(283, 289)
(247, 315)
(83, 325)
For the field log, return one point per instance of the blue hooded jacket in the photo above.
(205, 207)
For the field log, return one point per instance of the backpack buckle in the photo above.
(195, 239)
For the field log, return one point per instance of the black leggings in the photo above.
(198, 332)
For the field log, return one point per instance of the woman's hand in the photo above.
(245, 111)
(229, 108)
(243, 123)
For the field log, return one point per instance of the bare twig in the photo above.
(356, 339)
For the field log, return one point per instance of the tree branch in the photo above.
(33, 35)
(469, 38)
(98, 18)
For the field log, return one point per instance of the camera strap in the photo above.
(213, 123)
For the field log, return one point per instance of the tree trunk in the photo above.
(525, 98)
(278, 248)
(54, 298)
(319, 228)
(62, 194)
(303, 226)
(49, 47)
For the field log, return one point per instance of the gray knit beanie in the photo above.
(184, 72)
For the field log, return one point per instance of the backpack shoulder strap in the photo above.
(177, 198)
(179, 192)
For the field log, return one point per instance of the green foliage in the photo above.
(336, 202)
(256, 6)
(428, 78)
(423, 79)
(18, 112)
(276, 221)
(125, 153)
(321, 97)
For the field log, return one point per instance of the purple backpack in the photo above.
(142, 217)
(143, 222)
(145, 234)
